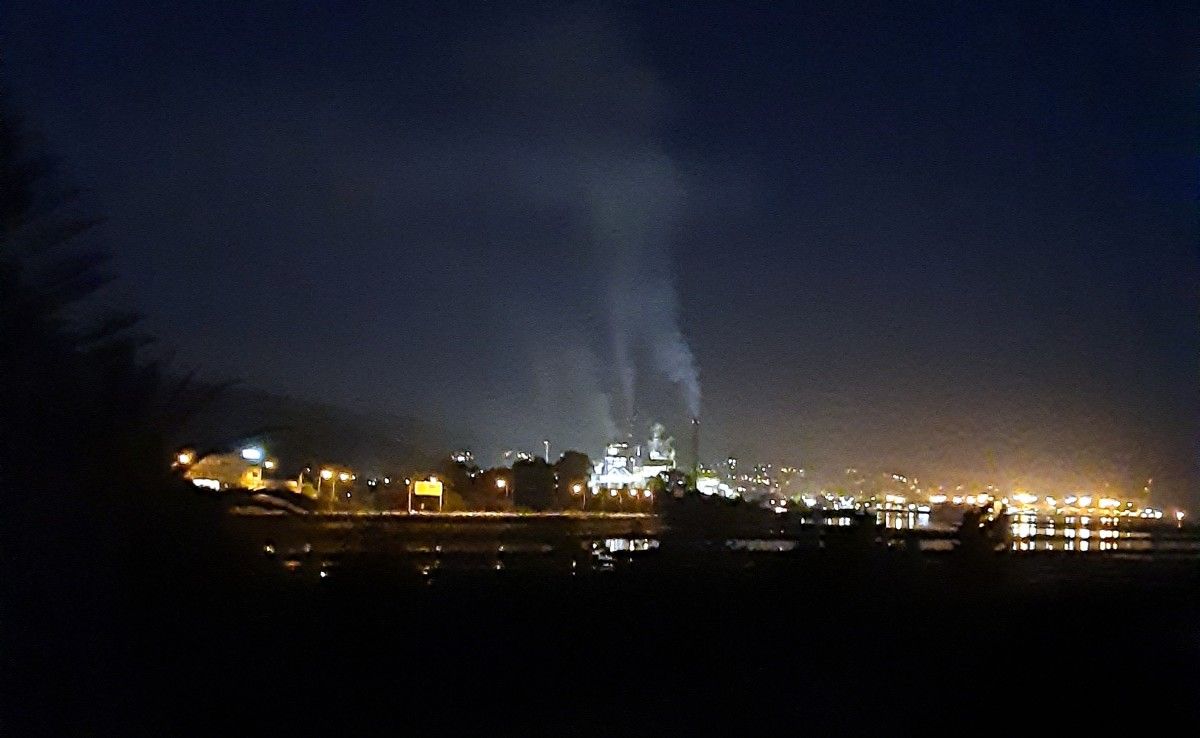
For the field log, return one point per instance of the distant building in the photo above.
(226, 470)
(243, 469)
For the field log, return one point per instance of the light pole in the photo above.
(502, 485)
(577, 489)
(547, 444)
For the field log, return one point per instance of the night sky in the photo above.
(945, 240)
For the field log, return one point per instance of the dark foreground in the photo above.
(826, 641)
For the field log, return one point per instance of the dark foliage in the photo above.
(91, 511)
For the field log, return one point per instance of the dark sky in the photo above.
(942, 239)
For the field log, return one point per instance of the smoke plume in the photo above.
(634, 200)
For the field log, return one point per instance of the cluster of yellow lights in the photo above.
(342, 476)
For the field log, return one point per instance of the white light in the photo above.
(252, 453)
(268, 464)
(207, 484)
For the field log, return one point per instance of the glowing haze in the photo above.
(955, 242)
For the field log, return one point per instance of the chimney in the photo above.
(696, 446)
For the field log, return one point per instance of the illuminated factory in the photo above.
(625, 466)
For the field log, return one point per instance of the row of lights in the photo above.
(633, 493)
(327, 474)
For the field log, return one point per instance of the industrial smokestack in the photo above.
(696, 446)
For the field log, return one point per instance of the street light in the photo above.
(326, 474)
(577, 489)
(184, 458)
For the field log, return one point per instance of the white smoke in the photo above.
(634, 199)
(592, 113)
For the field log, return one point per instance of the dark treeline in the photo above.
(91, 515)
(529, 484)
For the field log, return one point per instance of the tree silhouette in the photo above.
(572, 469)
(95, 529)
(84, 416)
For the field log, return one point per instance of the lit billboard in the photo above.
(422, 488)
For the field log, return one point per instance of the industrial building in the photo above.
(629, 466)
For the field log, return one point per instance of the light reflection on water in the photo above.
(1031, 532)
(631, 545)
(445, 553)
(760, 544)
